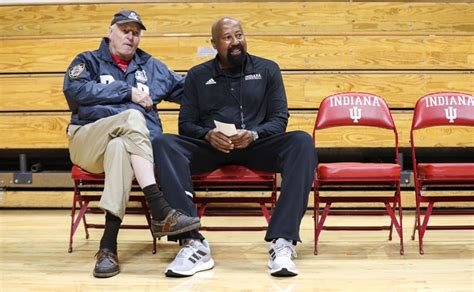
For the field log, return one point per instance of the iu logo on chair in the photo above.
(450, 102)
(451, 114)
(355, 114)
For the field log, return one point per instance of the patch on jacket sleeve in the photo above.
(76, 70)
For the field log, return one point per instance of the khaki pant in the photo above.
(106, 146)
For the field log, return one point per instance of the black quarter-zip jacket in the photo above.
(211, 93)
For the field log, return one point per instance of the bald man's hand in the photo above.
(219, 141)
(242, 139)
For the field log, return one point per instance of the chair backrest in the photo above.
(444, 109)
(441, 109)
(354, 109)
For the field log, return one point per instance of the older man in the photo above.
(248, 92)
(112, 93)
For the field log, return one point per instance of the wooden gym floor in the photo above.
(33, 257)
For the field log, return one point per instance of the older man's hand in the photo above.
(142, 98)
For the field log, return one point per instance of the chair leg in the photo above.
(84, 221)
(73, 214)
(274, 196)
(202, 209)
(148, 220)
(320, 225)
(315, 221)
(400, 217)
(422, 228)
(398, 227)
(76, 221)
(418, 227)
(265, 212)
(415, 227)
(391, 222)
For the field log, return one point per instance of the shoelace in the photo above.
(186, 251)
(100, 255)
(285, 250)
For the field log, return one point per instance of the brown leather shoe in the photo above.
(175, 222)
(107, 264)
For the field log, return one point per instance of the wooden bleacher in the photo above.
(398, 50)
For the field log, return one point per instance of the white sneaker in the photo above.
(281, 253)
(195, 256)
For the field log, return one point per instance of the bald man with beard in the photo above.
(247, 91)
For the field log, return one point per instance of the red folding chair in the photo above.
(233, 177)
(83, 179)
(356, 109)
(433, 110)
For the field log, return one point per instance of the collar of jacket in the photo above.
(249, 66)
(140, 57)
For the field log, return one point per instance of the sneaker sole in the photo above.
(199, 268)
(182, 230)
(105, 275)
(284, 272)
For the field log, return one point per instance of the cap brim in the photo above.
(131, 20)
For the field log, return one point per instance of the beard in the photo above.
(236, 60)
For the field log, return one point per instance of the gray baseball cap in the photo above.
(127, 15)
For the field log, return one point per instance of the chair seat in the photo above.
(446, 171)
(356, 171)
(78, 173)
(235, 177)
(233, 173)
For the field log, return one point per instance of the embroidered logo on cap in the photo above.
(134, 16)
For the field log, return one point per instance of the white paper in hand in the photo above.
(226, 129)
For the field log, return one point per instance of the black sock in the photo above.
(112, 226)
(155, 199)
